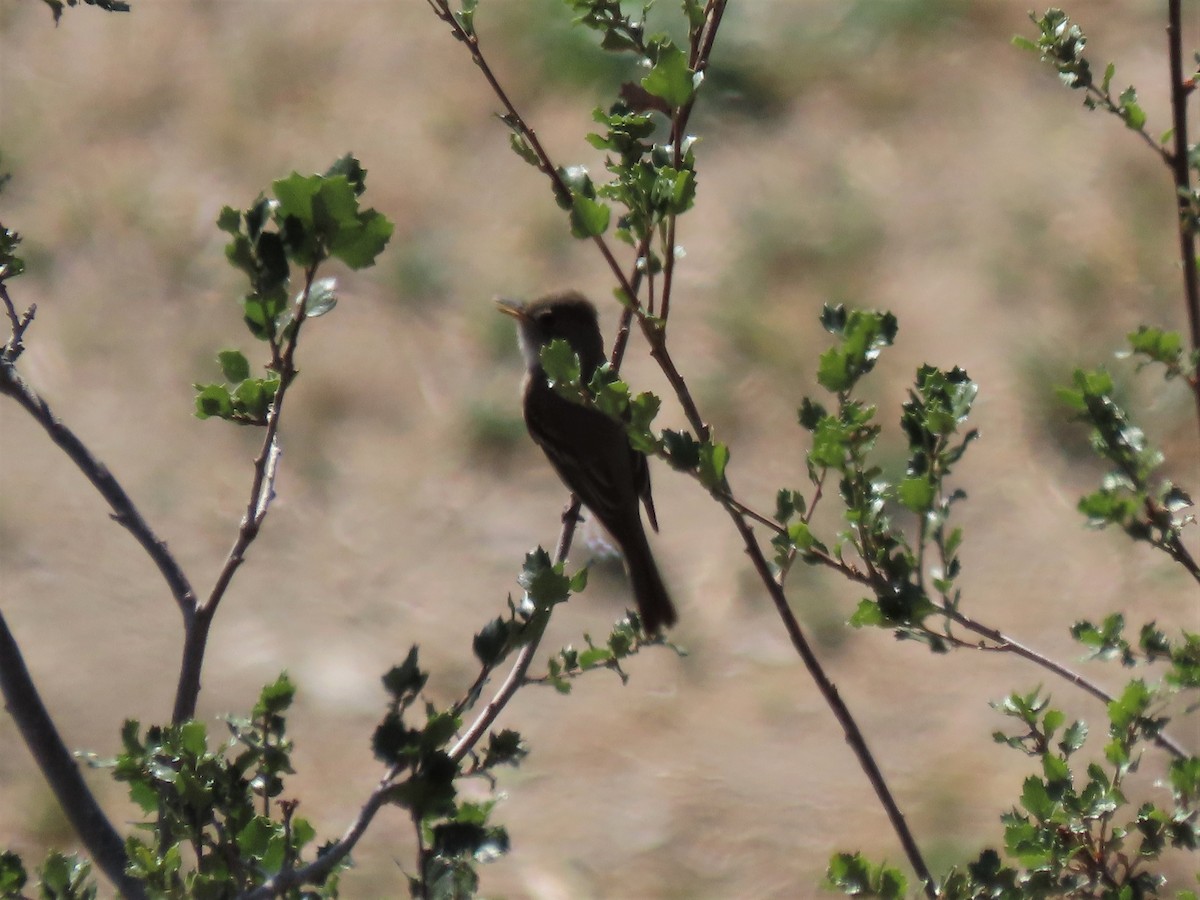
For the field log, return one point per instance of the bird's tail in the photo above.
(653, 603)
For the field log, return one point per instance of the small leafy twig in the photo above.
(515, 678)
(462, 26)
(332, 855)
(198, 623)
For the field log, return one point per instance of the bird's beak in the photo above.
(514, 308)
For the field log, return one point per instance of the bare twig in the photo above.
(123, 510)
(841, 712)
(18, 324)
(60, 769)
(1183, 178)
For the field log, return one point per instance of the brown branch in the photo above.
(124, 512)
(18, 324)
(841, 712)
(319, 868)
(516, 121)
(262, 490)
(701, 51)
(1006, 644)
(60, 769)
(1183, 179)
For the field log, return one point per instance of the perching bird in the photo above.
(589, 450)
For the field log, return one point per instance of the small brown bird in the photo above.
(589, 450)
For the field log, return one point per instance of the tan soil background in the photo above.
(894, 154)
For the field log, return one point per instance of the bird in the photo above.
(589, 450)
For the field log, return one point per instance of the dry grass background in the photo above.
(898, 154)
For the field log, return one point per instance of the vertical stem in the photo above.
(1182, 175)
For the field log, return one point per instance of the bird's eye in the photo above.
(546, 319)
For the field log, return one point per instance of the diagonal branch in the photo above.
(60, 769)
(123, 510)
(829, 691)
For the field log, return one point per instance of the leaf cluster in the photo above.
(455, 834)
(1060, 42)
(1132, 495)
(60, 877)
(652, 179)
(872, 548)
(309, 220)
(216, 822)
(626, 639)
(1107, 641)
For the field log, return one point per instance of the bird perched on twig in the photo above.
(589, 450)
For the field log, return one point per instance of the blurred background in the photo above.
(888, 153)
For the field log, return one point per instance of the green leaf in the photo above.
(713, 459)
(868, 615)
(670, 78)
(12, 874)
(1132, 114)
(213, 400)
(275, 698)
(359, 245)
(544, 583)
(505, 748)
(522, 148)
(255, 837)
(405, 680)
(193, 737)
(295, 195)
(230, 220)
(916, 494)
(492, 641)
(234, 365)
(1036, 799)
(681, 449)
(322, 297)
(561, 365)
(352, 170)
(589, 218)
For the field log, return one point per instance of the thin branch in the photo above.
(1183, 179)
(123, 510)
(262, 485)
(1004, 643)
(60, 769)
(318, 869)
(841, 712)
(701, 50)
(18, 324)
(441, 8)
